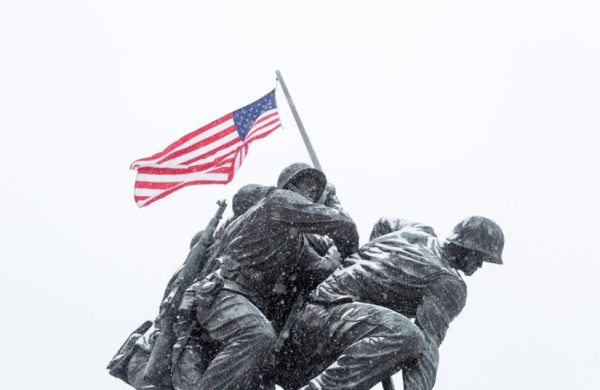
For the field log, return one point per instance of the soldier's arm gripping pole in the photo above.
(159, 362)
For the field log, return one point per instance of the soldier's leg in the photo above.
(138, 360)
(349, 346)
(245, 340)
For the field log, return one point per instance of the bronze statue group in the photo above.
(281, 294)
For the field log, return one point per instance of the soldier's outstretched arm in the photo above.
(320, 257)
(295, 211)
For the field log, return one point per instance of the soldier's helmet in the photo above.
(296, 171)
(479, 234)
(247, 196)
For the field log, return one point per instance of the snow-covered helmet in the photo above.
(479, 234)
(247, 196)
(296, 171)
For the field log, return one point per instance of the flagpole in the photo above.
(311, 151)
(387, 383)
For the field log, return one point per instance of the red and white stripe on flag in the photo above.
(210, 155)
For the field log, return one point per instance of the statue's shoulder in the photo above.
(281, 196)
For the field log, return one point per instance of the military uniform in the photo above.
(131, 359)
(267, 256)
(356, 329)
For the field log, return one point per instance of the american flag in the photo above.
(210, 155)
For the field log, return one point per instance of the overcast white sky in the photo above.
(429, 110)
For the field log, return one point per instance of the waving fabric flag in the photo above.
(210, 155)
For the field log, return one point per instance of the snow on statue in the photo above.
(273, 303)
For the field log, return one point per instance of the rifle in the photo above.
(158, 366)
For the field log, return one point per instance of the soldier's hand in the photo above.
(330, 198)
(320, 244)
(334, 256)
(188, 301)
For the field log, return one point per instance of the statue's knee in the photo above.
(406, 339)
(414, 341)
(260, 335)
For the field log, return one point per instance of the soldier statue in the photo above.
(286, 243)
(356, 329)
(273, 302)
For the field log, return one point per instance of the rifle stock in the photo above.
(159, 362)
